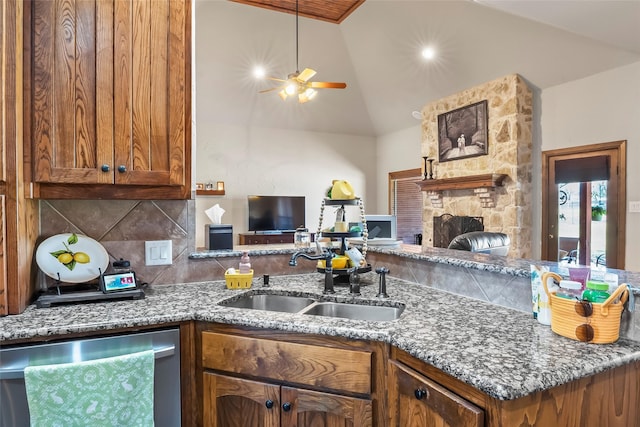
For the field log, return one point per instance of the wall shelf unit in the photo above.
(482, 185)
(209, 192)
(490, 180)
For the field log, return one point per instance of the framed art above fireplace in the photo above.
(463, 132)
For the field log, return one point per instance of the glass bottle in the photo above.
(245, 263)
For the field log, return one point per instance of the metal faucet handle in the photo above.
(382, 285)
(354, 282)
(382, 270)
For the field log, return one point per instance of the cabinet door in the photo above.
(236, 402)
(72, 91)
(312, 408)
(4, 290)
(110, 91)
(414, 401)
(151, 96)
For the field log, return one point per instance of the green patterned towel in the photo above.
(115, 391)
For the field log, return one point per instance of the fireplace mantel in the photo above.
(490, 180)
(482, 185)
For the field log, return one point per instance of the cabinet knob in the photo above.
(269, 404)
(420, 393)
(105, 168)
(286, 406)
(122, 168)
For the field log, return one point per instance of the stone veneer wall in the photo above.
(510, 108)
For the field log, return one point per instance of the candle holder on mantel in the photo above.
(428, 167)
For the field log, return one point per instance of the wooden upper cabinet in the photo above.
(110, 92)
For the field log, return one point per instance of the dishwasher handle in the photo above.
(16, 373)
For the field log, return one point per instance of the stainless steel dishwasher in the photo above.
(14, 411)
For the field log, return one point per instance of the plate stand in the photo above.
(84, 292)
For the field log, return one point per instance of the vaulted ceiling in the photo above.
(375, 48)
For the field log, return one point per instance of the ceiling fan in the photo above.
(298, 83)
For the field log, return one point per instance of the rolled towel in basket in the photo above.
(114, 391)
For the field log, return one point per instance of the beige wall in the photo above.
(265, 161)
(601, 108)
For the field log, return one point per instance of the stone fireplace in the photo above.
(496, 186)
(446, 227)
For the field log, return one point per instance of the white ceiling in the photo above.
(376, 51)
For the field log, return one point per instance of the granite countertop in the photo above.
(502, 352)
(518, 267)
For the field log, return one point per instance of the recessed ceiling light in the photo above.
(428, 53)
(258, 72)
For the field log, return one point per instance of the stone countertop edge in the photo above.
(518, 267)
(503, 352)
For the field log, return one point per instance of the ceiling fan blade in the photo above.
(270, 90)
(306, 74)
(327, 85)
(275, 79)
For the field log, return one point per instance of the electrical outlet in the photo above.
(634, 206)
(158, 252)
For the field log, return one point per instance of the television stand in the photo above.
(266, 238)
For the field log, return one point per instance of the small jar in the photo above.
(302, 238)
(596, 291)
(570, 289)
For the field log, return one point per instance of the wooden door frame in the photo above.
(393, 176)
(617, 150)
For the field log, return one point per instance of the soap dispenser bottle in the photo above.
(245, 263)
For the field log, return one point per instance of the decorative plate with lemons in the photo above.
(72, 258)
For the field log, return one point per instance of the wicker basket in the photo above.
(239, 281)
(605, 319)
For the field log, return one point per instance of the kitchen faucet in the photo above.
(328, 270)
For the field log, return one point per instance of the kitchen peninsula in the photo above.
(496, 364)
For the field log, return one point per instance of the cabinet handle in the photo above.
(122, 168)
(105, 168)
(269, 404)
(420, 393)
(286, 406)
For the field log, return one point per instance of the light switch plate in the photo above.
(158, 252)
(634, 206)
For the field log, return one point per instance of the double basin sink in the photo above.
(309, 306)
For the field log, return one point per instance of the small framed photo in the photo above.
(199, 186)
(463, 132)
(119, 282)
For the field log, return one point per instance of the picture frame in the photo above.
(199, 186)
(463, 132)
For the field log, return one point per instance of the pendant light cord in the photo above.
(297, 63)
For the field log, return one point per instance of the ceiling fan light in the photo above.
(291, 89)
(310, 93)
(283, 94)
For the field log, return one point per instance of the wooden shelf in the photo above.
(209, 192)
(490, 180)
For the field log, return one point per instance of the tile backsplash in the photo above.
(122, 227)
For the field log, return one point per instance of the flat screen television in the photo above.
(276, 213)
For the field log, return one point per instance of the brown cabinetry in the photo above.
(266, 239)
(271, 382)
(110, 98)
(19, 216)
(229, 399)
(415, 400)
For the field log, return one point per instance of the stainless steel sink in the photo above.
(354, 311)
(283, 303)
(304, 305)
